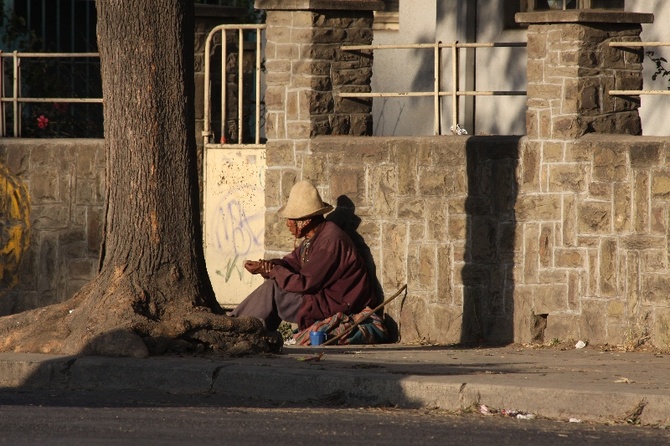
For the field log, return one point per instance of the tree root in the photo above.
(99, 323)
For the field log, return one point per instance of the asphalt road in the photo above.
(120, 418)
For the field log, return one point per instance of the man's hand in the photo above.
(258, 266)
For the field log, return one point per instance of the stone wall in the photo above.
(52, 201)
(305, 70)
(435, 213)
(584, 256)
(494, 244)
(591, 260)
(558, 235)
(63, 183)
(587, 220)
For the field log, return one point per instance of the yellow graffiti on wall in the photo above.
(14, 227)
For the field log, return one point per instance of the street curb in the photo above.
(305, 385)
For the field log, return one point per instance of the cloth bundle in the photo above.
(372, 331)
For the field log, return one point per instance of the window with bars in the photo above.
(66, 26)
(52, 26)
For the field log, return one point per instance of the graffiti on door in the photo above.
(234, 219)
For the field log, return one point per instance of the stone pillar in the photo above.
(571, 68)
(305, 70)
(306, 67)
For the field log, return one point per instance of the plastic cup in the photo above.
(317, 337)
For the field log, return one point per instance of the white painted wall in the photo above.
(501, 69)
(655, 110)
(405, 70)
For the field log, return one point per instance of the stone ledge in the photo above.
(583, 16)
(308, 5)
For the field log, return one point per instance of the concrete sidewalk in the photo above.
(585, 384)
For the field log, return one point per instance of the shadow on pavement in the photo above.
(371, 376)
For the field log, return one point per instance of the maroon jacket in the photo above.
(331, 276)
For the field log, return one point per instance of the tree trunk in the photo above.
(152, 293)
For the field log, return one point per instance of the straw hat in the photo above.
(304, 201)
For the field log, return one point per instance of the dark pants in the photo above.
(271, 304)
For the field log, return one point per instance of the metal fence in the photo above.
(15, 98)
(455, 93)
(438, 73)
(50, 71)
(239, 104)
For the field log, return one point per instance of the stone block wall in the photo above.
(586, 219)
(63, 183)
(502, 241)
(306, 68)
(497, 239)
(435, 213)
(592, 259)
(52, 202)
(558, 235)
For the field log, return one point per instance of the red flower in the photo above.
(42, 122)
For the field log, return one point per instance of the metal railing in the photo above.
(637, 92)
(222, 30)
(437, 92)
(15, 98)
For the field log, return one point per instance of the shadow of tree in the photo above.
(210, 380)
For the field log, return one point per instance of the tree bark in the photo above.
(152, 293)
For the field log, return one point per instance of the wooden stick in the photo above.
(359, 322)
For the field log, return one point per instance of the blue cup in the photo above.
(317, 337)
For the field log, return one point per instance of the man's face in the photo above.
(296, 226)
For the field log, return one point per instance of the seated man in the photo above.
(323, 275)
